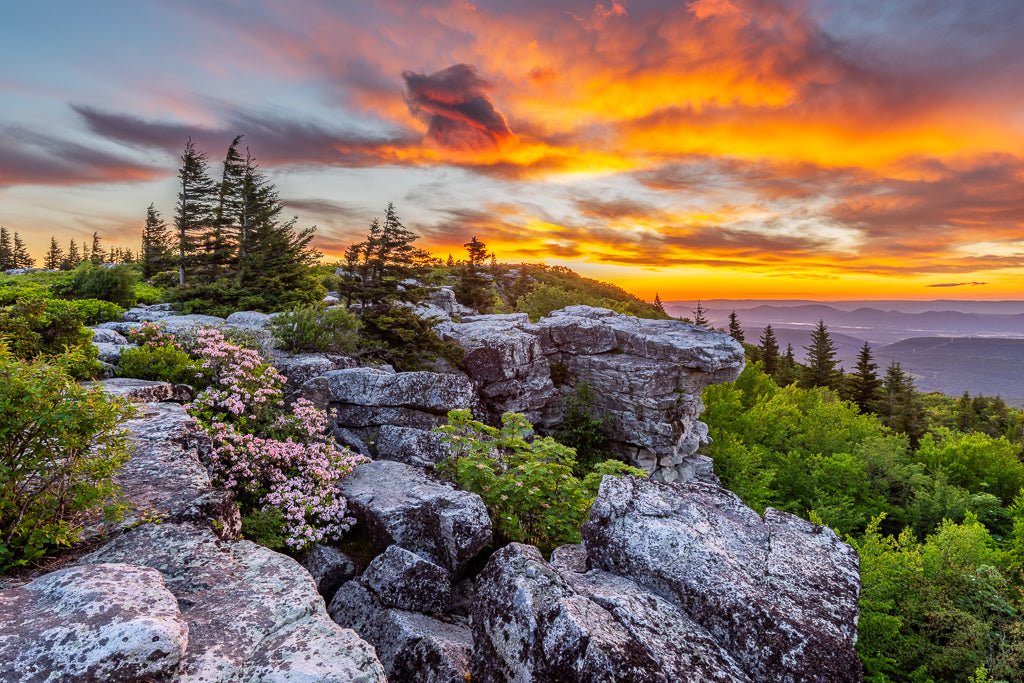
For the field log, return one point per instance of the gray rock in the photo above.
(252, 614)
(120, 326)
(779, 594)
(101, 335)
(417, 447)
(400, 578)
(143, 313)
(299, 368)
(331, 298)
(530, 625)
(428, 392)
(105, 622)
(329, 568)
(144, 390)
(399, 504)
(177, 324)
(250, 320)
(411, 646)
(570, 558)
(110, 353)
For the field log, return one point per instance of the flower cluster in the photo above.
(151, 336)
(270, 457)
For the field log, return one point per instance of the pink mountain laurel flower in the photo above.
(281, 459)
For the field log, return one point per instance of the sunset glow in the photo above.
(714, 148)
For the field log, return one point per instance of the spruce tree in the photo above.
(659, 304)
(901, 407)
(155, 253)
(19, 254)
(96, 254)
(473, 287)
(54, 256)
(863, 385)
(699, 316)
(194, 212)
(735, 330)
(965, 415)
(821, 366)
(6, 250)
(450, 262)
(229, 221)
(769, 351)
(786, 374)
(73, 258)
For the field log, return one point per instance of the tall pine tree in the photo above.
(194, 212)
(6, 250)
(229, 221)
(901, 408)
(700, 316)
(473, 286)
(155, 253)
(863, 385)
(769, 351)
(73, 258)
(735, 329)
(658, 304)
(96, 253)
(821, 366)
(54, 256)
(19, 254)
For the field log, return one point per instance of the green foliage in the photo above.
(975, 462)
(582, 431)
(473, 287)
(397, 336)
(35, 328)
(160, 363)
(265, 526)
(821, 367)
(316, 328)
(527, 483)
(60, 445)
(560, 287)
(115, 284)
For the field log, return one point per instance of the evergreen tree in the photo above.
(6, 250)
(659, 304)
(73, 258)
(96, 253)
(901, 408)
(769, 352)
(54, 256)
(965, 415)
(473, 288)
(787, 371)
(19, 254)
(229, 222)
(735, 330)
(194, 212)
(863, 385)
(450, 262)
(700, 316)
(820, 370)
(155, 253)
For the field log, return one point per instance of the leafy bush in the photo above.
(115, 284)
(60, 445)
(159, 357)
(316, 328)
(91, 311)
(34, 328)
(397, 335)
(527, 484)
(271, 459)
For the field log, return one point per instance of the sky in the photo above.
(829, 149)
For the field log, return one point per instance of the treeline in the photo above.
(13, 253)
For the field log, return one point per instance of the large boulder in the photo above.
(399, 504)
(410, 645)
(249, 320)
(778, 593)
(146, 391)
(299, 368)
(252, 614)
(530, 625)
(646, 377)
(329, 568)
(403, 579)
(105, 622)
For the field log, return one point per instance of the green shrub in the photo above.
(264, 526)
(91, 311)
(316, 328)
(527, 484)
(60, 445)
(34, 328)
(115, 284)
(396, 335)
(160, 363)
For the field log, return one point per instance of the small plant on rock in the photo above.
(526, 482)
(159, 357)
(317, 328)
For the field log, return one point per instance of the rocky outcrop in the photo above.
(411, 646)
(399, 504)
(329, 568)
(646, 377)
(146, 391)
(252, 614)
(366, 405)
(299, 368)
(778, 593)
(403, 579)
(105, 622)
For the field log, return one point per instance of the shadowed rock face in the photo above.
(106, 622)
(646, 375)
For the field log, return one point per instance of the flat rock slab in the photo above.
(102, 622)
(399, 504)
(145, 391)
(430, 392)
(252, 614)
